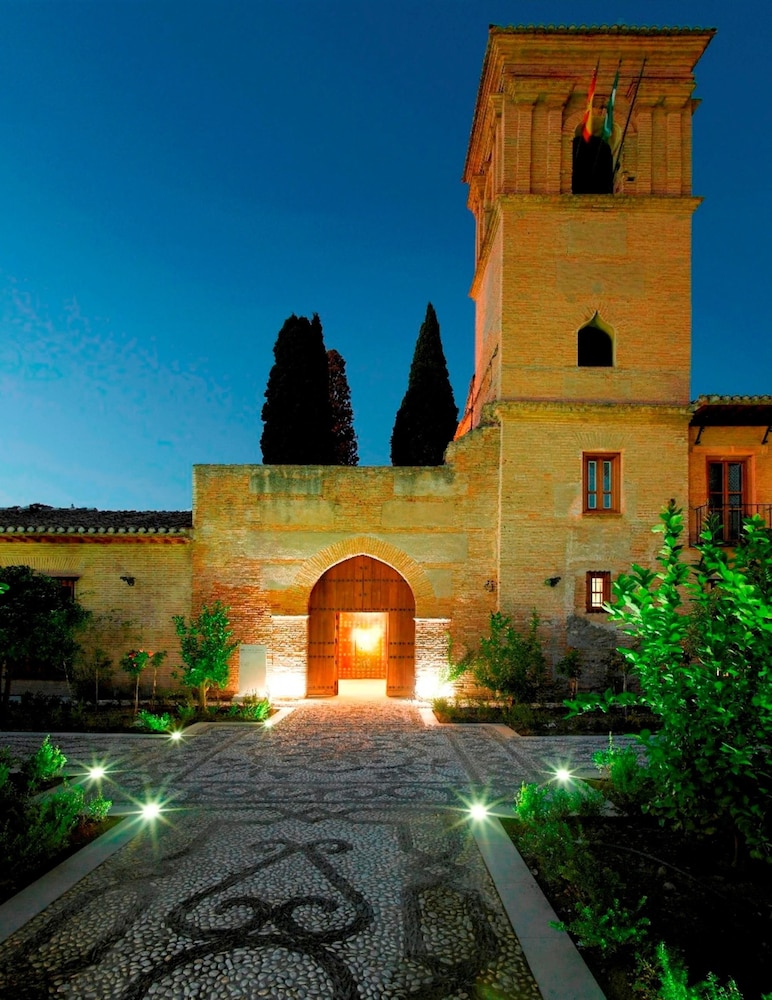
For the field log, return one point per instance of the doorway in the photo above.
(361, 626)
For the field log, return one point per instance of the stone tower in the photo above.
(582, 287)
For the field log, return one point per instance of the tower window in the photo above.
(595, 349)
(593, 166)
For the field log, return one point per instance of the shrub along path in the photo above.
(330, 855)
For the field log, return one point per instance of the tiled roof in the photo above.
(39, 518)
(594, 29)
(734, 400)
(732, 411)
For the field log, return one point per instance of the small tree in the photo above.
(39, 621)
(703, 660)
(342, 414)
(135, 661)
(205, 647)
(426, 420)
(296, 414)
(508, 663)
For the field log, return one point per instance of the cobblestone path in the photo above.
(329, 856)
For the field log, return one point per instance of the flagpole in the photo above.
(629, 115)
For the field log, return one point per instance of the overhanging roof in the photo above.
(732, 411)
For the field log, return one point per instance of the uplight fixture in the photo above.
(478, 811)
(150, 810)
(97, 772)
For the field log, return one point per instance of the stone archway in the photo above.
(361, 623)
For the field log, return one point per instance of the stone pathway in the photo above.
(329, 856)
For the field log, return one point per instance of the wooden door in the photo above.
(361, 584)
(322, 675)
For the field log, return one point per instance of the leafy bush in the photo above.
(630, 785)
(705, 670)
(34, 828)
(186, 713)
(508, 663)
(45, 764)
(155, 723)
(673, 982)
(251, 709)
(552, 835)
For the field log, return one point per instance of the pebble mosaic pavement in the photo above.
(329, 856)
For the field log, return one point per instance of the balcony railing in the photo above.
(727, 520)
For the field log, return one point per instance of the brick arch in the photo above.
(571, 124)
(363, 545)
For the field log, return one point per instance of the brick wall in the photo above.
(124, 617)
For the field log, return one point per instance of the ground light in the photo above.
(175, 735)
(563, 775)
(97, 772)
(150, 810)
(478, 811)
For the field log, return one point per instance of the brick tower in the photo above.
(582, 291)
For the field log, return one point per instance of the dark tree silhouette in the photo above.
(342, 415)
(426, 420)
(296, 414)
(38, 624)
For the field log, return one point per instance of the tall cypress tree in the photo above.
(342, 414)
(426, 420)
(296, 413)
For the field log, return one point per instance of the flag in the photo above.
(608, 122)
(587, 119)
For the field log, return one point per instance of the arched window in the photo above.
(593, 166)
(595, 348)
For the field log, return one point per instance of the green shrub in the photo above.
(45, 764)
(251, 709)
(154, 723)
(702, 657)
(509, 664)
(186, 713)
(630, 784)
(609, 930)
(34, 828)
(673, 982)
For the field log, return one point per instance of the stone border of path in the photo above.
(558, 968)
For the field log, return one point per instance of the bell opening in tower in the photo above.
(593, 166)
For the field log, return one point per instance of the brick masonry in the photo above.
(502, 525)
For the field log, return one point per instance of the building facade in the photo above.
(577, 431)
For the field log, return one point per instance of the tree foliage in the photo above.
(39, 622)
(703, 659)
(296, 415)
(345, 439)
(206, 644)
(509, 663)
(426, 420)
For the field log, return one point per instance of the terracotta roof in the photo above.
(595, 29)
(39, 518)
(732, 411)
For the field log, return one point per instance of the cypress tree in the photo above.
(342, 414)
(296, 414)
(426, 420)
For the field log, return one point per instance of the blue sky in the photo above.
(176, 178)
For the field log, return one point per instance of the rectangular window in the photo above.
(727, 498)
(67, 583)
(598, 589)
(601, 484)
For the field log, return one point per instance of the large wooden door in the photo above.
(360, 584)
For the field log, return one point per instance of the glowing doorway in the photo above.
(362, 645)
